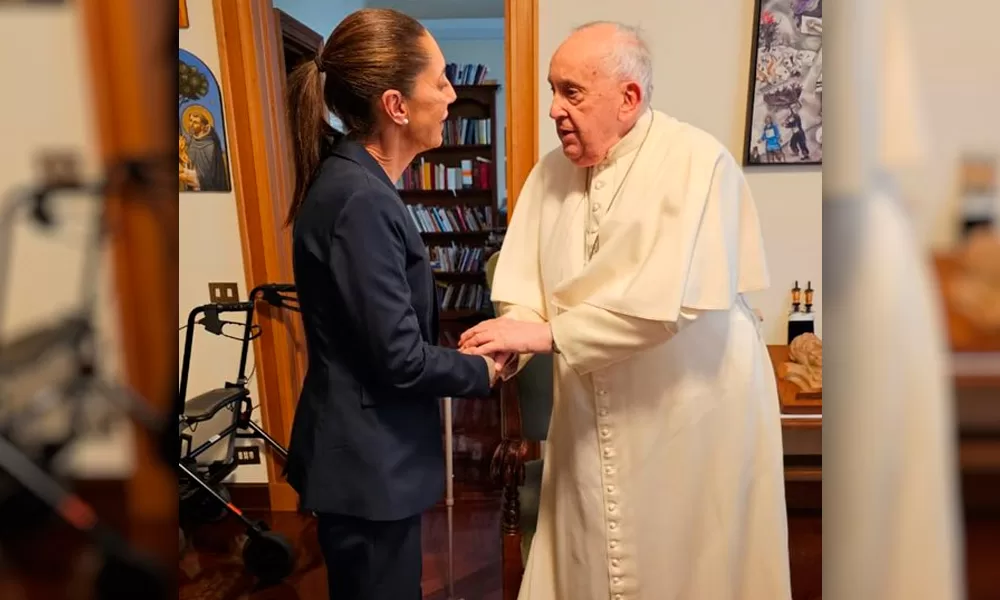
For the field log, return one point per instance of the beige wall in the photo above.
(701, 60)
(958, 80)
(211, 251)
(52, 109)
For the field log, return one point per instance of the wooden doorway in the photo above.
(299, 43)
(521, 48)
(258, 46)
(251, 57)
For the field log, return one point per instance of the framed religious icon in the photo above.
(203, 159)
(785, 98)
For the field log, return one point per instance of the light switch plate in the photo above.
(223, 293)
(247, 455)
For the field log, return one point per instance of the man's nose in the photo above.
(556, 109)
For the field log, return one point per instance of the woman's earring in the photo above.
(406, 121)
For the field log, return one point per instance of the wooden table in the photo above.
(794, 400)
(801, 413)
(802, 441)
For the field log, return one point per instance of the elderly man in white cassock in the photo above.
(628, 257)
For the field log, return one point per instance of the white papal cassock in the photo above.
(663, 473)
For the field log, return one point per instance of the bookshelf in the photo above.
(451, 193)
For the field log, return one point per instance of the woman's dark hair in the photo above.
(371, 51)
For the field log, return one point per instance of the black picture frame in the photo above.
(811, 126)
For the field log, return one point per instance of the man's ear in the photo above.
(394, 106)
(631, 99)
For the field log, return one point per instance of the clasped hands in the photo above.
(503, 338)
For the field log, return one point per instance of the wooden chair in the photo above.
(526, 406)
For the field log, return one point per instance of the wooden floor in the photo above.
(214, 571)
(45, 567)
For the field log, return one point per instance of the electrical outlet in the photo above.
(247, 455)
(223, 293)
(59, 168)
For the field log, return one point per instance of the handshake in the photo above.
(500, 340)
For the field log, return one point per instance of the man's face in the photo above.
(197, 125)
(589, 103)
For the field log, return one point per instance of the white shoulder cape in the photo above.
(683, 231)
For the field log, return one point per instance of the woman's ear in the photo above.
(395, 107)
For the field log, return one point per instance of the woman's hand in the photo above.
(491, 366)
(495, 363)
(505, 335)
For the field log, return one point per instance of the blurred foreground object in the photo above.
(891, 512)
(50, 388)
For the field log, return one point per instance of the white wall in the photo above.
(701, 61)
(479, 41)
(211, 251)
(958, 78)
(55, 111)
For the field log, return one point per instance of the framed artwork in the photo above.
(203, 159)
(184, 24)
(785, 100)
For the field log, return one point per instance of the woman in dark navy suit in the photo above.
(366, 451)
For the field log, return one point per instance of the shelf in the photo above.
(488, 148)
(463, 193)
(448, 197)
(478, 233)
(461, 314)
(470, 88)
(472, 483)
(976, 369)
(472, 276)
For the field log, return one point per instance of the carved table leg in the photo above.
(507, 469)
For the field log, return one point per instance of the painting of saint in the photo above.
(203, 163)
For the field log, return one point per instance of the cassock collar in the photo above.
(632, 139)
(353, 151)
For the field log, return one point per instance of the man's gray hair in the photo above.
(630, 57)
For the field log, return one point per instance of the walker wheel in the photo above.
(269, 557)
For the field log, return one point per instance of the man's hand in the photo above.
(506, 335)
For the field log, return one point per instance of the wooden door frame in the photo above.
(250, 58)
(252, 73)
(521, 50)
(296, 35)
(130, 75)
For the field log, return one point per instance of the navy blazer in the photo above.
(367, 436)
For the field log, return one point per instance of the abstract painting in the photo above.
(785, 100)
(203, 161)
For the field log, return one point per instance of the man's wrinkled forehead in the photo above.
(577, 62)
